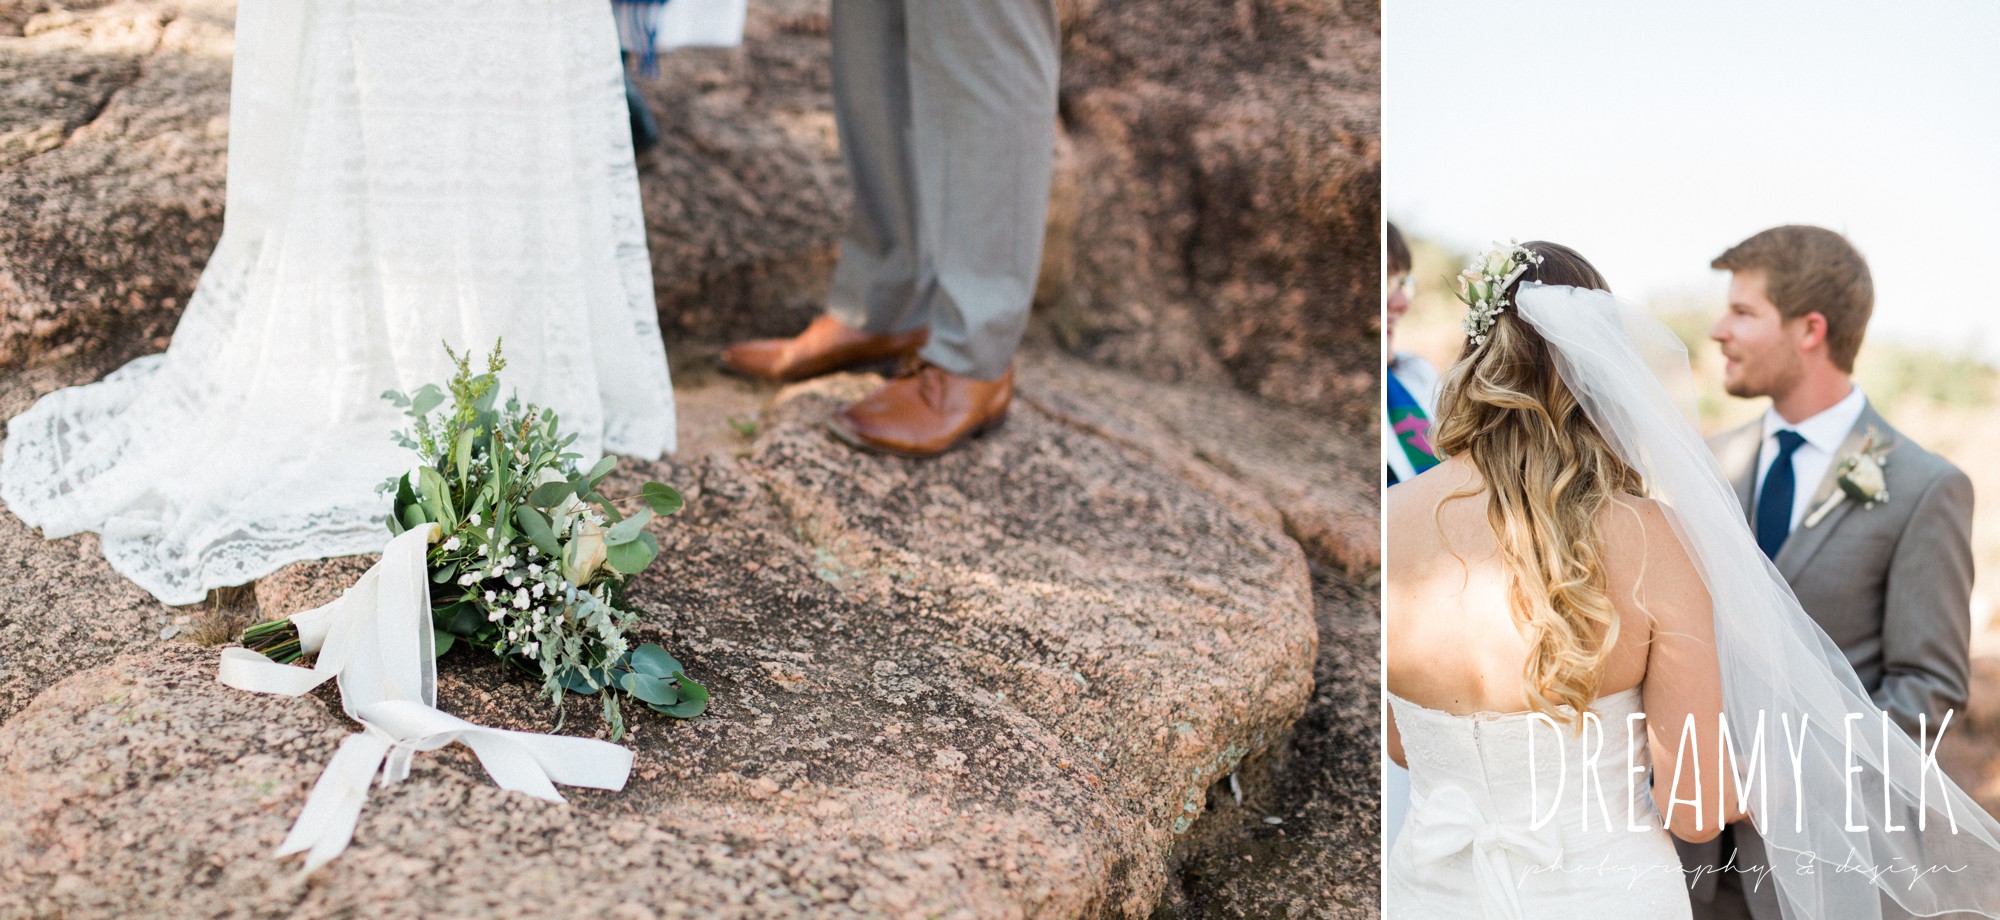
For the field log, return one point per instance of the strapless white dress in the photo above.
(1471, 845)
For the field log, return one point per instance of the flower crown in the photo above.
(1482, 286)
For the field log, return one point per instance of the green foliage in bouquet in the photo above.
(533, 558)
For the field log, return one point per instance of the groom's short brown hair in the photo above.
(1807, 270)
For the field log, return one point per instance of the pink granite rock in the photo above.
(995, 684)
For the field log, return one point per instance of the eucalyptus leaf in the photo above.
(649, 689)
(627, 530)
(536, 528)
(413, 517)
(463, 458)
(574, 682)
(435, 494)
(425, 399)
(601, 470)
(550, 494)
(463, 619)
(444, 641)
(662, 498)
(444, 574)
(633, 557)
(694, 699)
(655, 661)
(404, 495)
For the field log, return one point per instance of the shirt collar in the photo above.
(1826, 430)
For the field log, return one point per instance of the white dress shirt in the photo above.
(1420, 377)
(1824, 434)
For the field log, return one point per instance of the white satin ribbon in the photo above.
(1448, 821)
(376, 641)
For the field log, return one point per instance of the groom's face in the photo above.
(1761, 348)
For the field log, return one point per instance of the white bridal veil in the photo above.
(1922, 841)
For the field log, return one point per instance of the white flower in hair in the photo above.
(1482, 287)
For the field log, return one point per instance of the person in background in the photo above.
(1411, 382)
(1412, 385)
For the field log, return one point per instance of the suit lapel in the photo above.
(1800, 546)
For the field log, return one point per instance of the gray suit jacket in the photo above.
(1891, 584)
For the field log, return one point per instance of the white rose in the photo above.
(1499, 262)
(585, 553)
(1867, 476)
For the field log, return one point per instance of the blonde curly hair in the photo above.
(1548, 475)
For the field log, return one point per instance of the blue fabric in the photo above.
(1775, 498)
(638, 29)
(1411, 425)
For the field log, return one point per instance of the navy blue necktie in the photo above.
(1774, 500)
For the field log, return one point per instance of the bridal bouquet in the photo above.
(533, 558)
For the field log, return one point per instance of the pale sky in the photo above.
(1652, 136)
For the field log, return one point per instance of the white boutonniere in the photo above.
(1860, 478)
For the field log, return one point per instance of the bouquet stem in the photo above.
(277, 640)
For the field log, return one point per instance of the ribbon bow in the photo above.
(376, 641)
(1448, 822)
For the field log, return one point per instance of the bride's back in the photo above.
(1526, 573)
(1451, 641)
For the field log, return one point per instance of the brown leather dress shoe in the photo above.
(826, 346)
(925, 412)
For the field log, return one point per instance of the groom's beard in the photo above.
(1753, 379)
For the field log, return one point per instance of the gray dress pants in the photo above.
(946, 111)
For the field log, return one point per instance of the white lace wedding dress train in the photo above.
(401, 174)
(1470, 846)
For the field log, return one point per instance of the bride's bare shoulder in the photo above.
(1643, 551)
(1412, 506)
(1424, 523)
(1635, 520)
(1421, 494)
